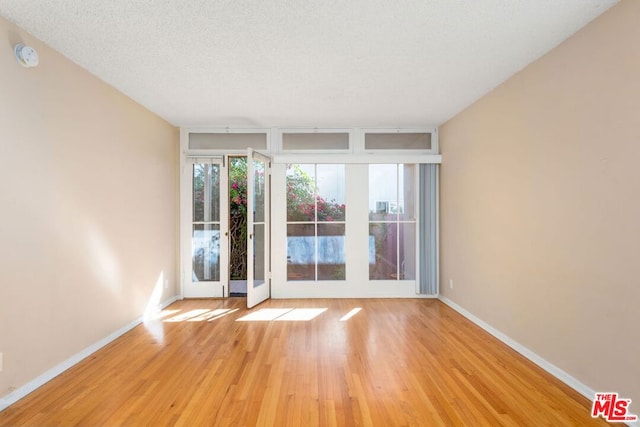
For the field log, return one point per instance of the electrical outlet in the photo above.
(166, 283)
(451, 283)
(0, 362)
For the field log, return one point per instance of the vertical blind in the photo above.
(428, 239)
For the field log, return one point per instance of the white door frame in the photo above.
(357, 157)
(188, 287)
(258, 292)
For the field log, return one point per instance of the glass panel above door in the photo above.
(398, 141)
(227, 141)
(315, 141)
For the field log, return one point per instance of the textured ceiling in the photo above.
(300, 63)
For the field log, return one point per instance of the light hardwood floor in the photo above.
(394, 363)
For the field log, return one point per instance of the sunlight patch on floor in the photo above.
(211, 315)
(264, 315)
(197, 315)
(350, 314)
(222, 314)
(301, 314)
(165, 313)
(188, 315)
(282, 314)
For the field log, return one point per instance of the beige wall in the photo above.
(540, 205)
(88, 183)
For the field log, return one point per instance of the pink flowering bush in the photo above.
(302, 202)
(238, 188)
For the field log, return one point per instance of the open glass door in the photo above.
(258, 227)
(205, 222)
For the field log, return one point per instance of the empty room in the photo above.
(289, 213)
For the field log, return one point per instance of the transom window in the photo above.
(315, 141)
(398, 141)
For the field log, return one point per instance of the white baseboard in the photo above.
(547, 366)
(24, 390)
(581, 388)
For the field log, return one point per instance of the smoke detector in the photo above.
(26, 55)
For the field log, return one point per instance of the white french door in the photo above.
(205, 220)
(258, 227)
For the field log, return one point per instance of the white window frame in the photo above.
(435, 149)
(281, 131)
(184, 140)
(355, 160)
(398, 221)
(315, 223)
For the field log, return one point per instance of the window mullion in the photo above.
(315, 201)
(398, 270)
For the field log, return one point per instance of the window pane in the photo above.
(331, 253)
(330, 185)
(383, 192)
(206, 252)
(258, 255)
(301, 193)
(206, 192)
(407, 237)
(383, 264)
(397, 141)
(407, 203)
(315, 216)
(315, 141)
(258, 190)
(229, 141)
(301, 252)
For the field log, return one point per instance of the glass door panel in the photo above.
(259, 187)
(205, 248)
(205, 255)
